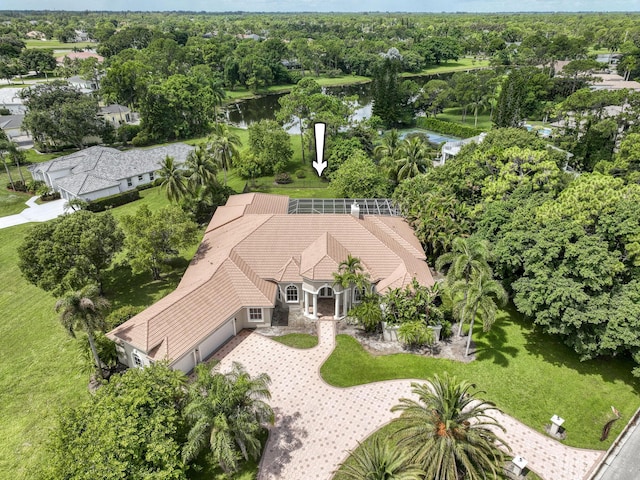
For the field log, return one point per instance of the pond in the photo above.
(245, 112)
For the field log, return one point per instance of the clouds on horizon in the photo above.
(480, 6)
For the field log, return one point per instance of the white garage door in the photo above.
(217, 339)
(185, 364)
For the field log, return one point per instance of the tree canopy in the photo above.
(71, 251)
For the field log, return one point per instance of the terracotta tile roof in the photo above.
(252, 243)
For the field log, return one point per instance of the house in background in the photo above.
(35, 35)
(79, 56)
(11, 125)
(118, 115)
(98, 172)
(261, 252)
(83, 84)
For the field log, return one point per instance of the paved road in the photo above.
(317, 424)
(625, 464)
(34, 213)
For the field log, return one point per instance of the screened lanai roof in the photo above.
(368, 206)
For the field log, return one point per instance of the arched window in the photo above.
(292, 294)
(358, 294)
(137, 361)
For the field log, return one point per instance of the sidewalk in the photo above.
(34, 213)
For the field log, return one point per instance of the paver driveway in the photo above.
(317, 424)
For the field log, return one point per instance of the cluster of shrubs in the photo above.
(447, 128)
(283, 178)
(101, 204)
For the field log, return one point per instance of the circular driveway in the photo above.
(317, 424)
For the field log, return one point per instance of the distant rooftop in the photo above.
(368, 206)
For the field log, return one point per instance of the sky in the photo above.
(328, 5)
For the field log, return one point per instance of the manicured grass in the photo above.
(41, 367)
(58, 45)
(528, 374)
(243, 93)
(462, 65)
(455, 115)
(12, 202)
(297, 340)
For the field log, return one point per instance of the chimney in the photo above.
(355, 210)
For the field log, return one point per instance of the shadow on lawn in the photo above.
(123, 287)
(553, 351)
(493, 346)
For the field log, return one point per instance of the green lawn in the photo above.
(462, 65)
(297, 340)
(529, 375)
(242, 93)
(41, 367)
(58, 45)
(455, 115)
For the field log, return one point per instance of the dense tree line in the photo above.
(564, 246)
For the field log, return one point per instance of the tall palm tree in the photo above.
(223, 144)
(389, 146)
(468, 256)
(173, 179)
(84, 309)
(201, 169)
(226, 413)
(482, 294)
(6, 147)
(449, 433)
(218, 94)
(378, 460)
(414, 156)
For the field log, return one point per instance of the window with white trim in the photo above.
(140, 178)
(292, 294)
(151, 176)
(255, 315)
(137, 361)
(358, 294)
(129, 182)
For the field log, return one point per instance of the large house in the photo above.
(98, 172)
(261, 252)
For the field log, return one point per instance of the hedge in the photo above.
(102, 204)
(447, 128)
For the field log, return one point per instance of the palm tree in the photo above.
(226, 413)
(84, 309)
(482, 293)
(218, 94)
(351, 273)
(202, 170)
(468, 256)
(173, 179)
(414, 156)
(389, 146)
(6, 147)
(449, 433)
(378, 460)
(223, 145)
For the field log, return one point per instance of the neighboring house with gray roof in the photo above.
(117, 115)
(98, 172)
(11, 125)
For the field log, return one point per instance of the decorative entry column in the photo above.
(336, 309)
(315, 306)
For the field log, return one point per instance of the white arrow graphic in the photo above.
(319, 164)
